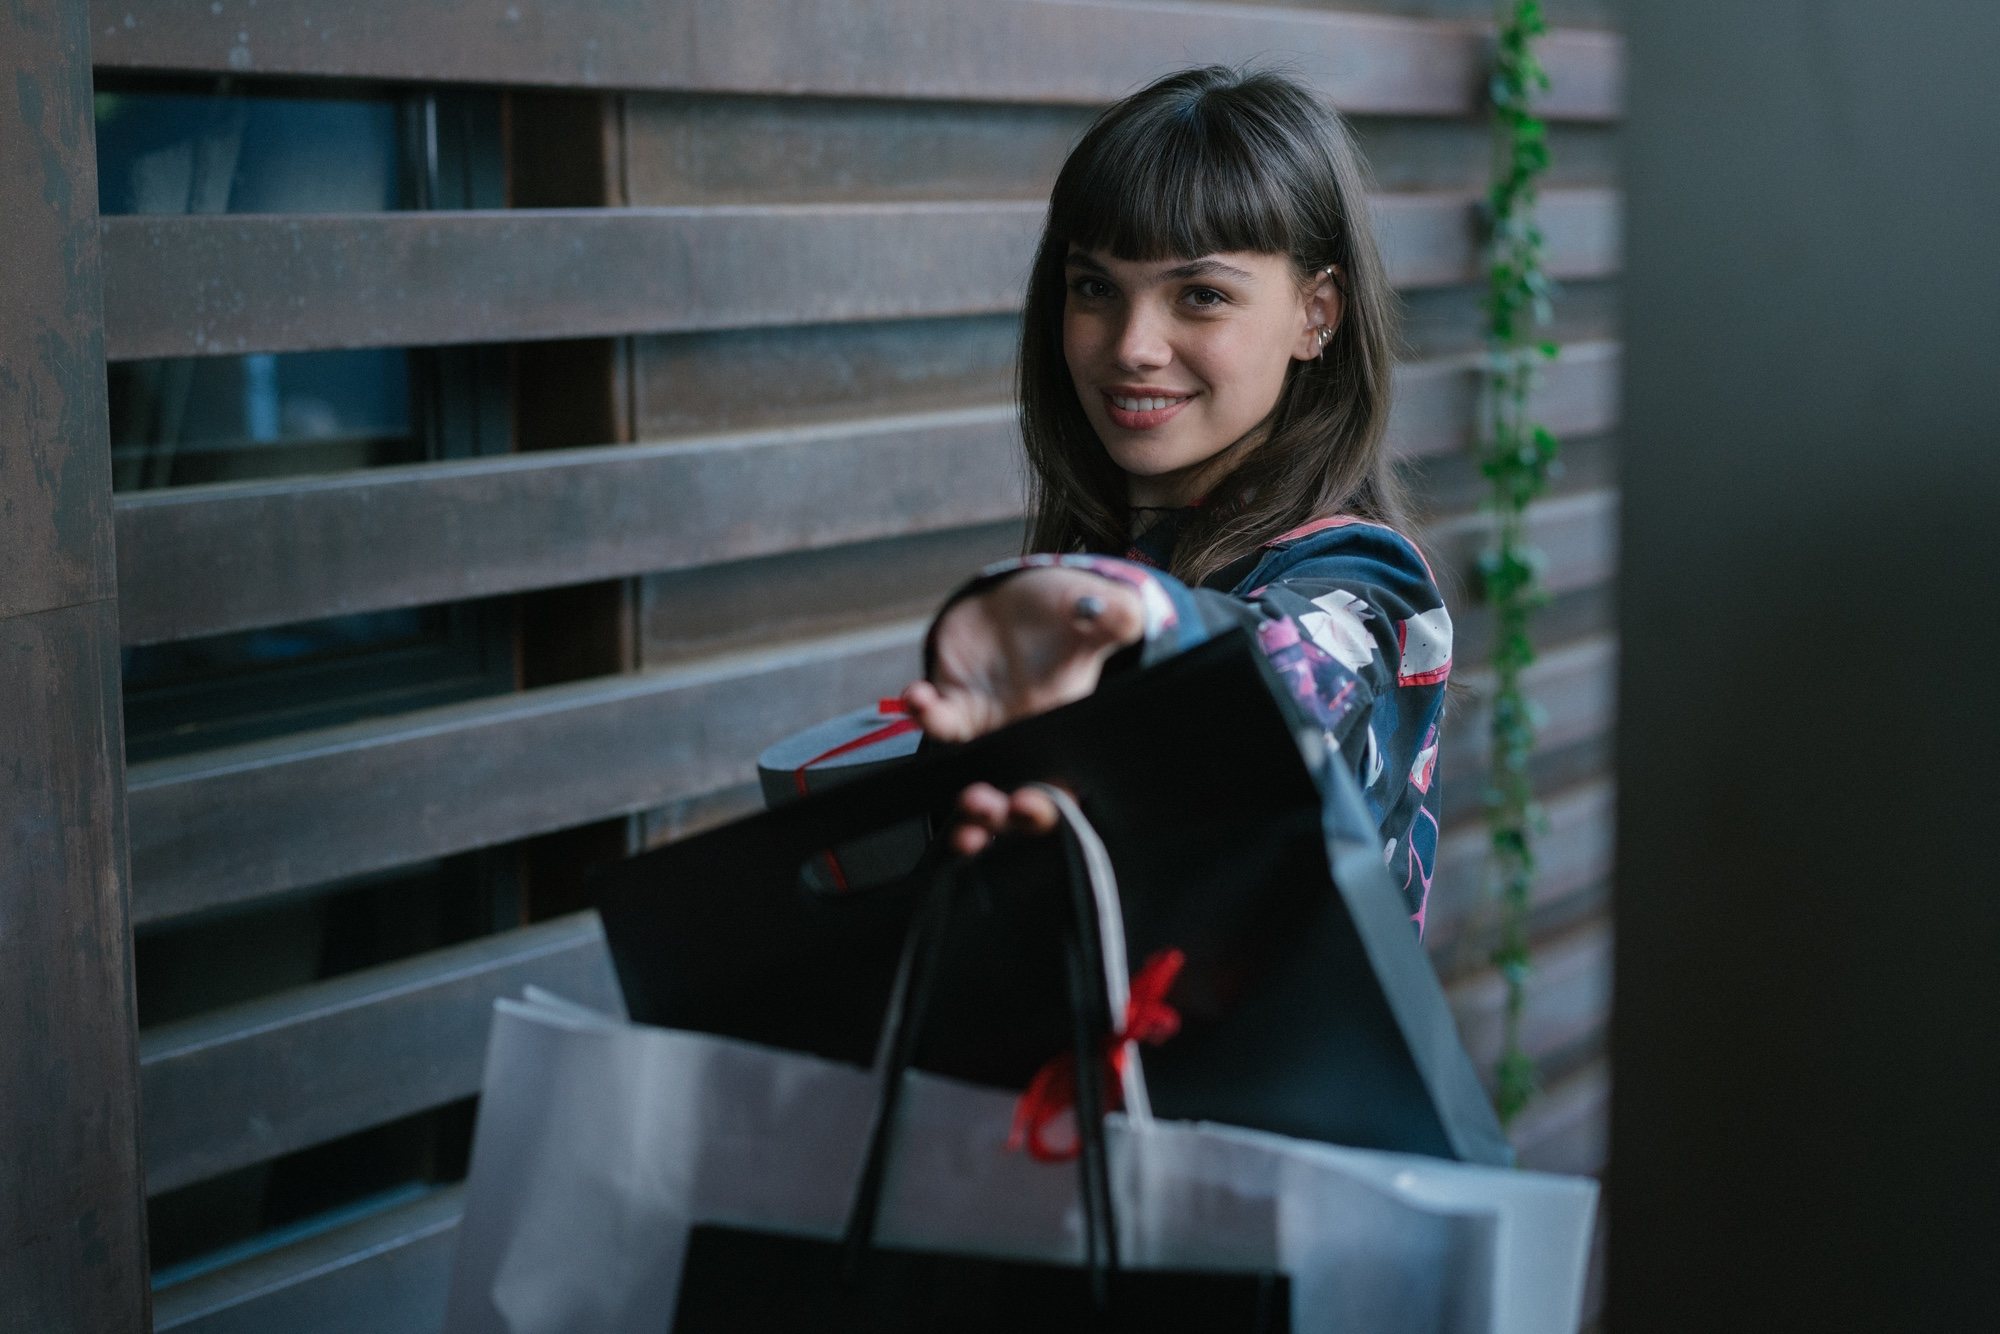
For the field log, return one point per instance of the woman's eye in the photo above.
(1091, 289)
(1204, 298)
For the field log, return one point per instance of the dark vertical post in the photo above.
(1807, 1012)
(72, 1204)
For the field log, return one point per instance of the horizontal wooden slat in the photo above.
(691, 149)
(1567, 1128)
(709, 382)
(1577, 537)
(386, 1274)
(998, 50)
(196, 286)
(801, 594)
(1574, 687)
(1572, 855)
(208, 559)
(211, 285)
(251, 1082)
(231, 825)
(1437, 401)
(1568, 999)
(202, 560)
(1434, 239)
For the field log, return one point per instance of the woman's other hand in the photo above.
(1032, 642)
(985, 812)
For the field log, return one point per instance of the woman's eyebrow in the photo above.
(1206, 267)
(1209, 267)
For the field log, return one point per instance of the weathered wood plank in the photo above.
(1568, 1127)
(1573, 686)
(72, 1226)
(251, 1082)
(204, 286)
(1433, 238)
(1576, 535)
(711, 382)
(231, 825)
(386, 1274)
(801, 594)
(55, 451)
(72, 1220)
(209, 559)
(192, 286)
(1000, 50)
(1573, 855)
(1437, 401)
(696, 149)
(1568, 999)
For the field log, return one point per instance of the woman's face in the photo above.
(1176, 360)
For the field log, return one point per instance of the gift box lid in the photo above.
(837, 751)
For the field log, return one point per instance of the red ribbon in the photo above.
(903, 723)
(1148, 1019)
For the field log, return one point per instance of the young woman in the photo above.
(1204, 382)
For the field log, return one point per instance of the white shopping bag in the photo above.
(601, 1143)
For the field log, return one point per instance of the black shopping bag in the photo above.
(740, 1279)
(1307, 1006)
(737, 1280)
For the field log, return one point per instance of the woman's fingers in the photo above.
(948, 714)
(1030, 811)
(985, 812)
(982, 813)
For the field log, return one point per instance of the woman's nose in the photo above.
(1142, 340)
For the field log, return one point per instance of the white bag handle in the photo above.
(1111, 938)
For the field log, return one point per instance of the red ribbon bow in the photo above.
(1148, 1019)
(903, 723)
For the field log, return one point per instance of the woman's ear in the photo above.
(1324, 305)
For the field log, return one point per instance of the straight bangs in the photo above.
(1173, 182)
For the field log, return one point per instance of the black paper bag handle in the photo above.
(1096, 978)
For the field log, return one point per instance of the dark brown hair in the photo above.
(1206, 160)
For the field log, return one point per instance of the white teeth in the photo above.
(1143, 404)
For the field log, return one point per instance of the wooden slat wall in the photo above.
(806, 249)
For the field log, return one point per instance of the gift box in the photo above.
(837, 751)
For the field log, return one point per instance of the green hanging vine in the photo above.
(1517, 456)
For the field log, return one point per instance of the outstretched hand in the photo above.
(1034, 641)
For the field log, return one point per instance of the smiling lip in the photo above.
(1142, 418)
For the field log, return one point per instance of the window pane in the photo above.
(207, 151)
(223, 419)
(198, 694)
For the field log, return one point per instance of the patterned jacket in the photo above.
(1349, 614)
